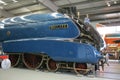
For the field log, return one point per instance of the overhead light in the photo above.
(2, 2)
(108, 4)
(115, 2)
(14, 1)
(78, 14)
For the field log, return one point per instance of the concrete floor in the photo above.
(111, 72)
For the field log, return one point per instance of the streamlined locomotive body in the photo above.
(55, 39)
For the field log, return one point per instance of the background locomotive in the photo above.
(58, 40)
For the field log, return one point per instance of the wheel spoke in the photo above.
(14, 58)
(32, 61)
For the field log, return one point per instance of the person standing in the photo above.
(107, 59)
(119, 56)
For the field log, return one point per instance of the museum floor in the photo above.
(111, 72)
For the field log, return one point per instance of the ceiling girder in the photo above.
(35, 3)
(100, 10)
(5, 13)
(49, 4)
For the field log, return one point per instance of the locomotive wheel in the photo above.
(32, 61)
(14, 58)
(79, 68)
(52, 65)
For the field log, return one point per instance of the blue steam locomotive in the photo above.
(57, 40)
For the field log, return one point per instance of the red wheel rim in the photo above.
(80, 68)
(52, 65)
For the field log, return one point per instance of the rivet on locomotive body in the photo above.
(8, 33)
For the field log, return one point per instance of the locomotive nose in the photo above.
(98, 54)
